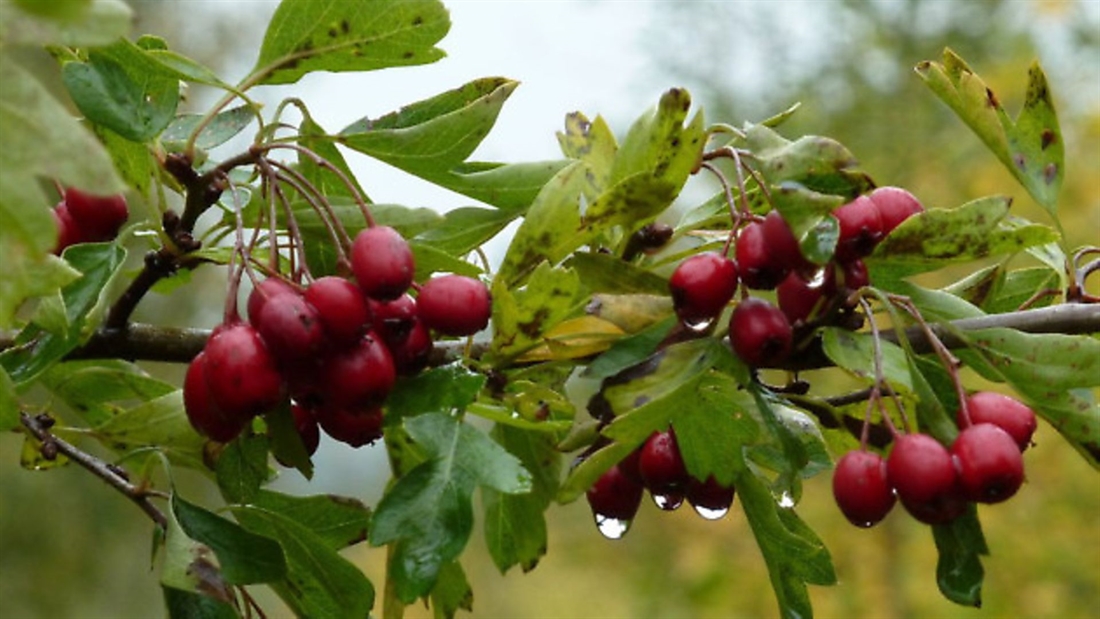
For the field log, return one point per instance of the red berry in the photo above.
(629, 465)
(355, 427)
(265, 290)
(861, 489)
(394, 319)
(782, 243)
(894, 205)
(291, 329)
(615, 496)
(68, 233)
(661, 466)
(989, 463)
(98, 217)
(702, 286)
(382, 262)
(342, 309)
(759, 333)
(307, 428)
(1005, 412)
(454, 305)
(798, 299)
(411, 354)
(758, 267)
(201, 411)
(710, 498)
(359, 377)
(860, 229)
(855, 274)
(922, 472)
(241, 373)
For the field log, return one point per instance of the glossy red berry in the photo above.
(702, 286)
(615, 496)
(98, 217)
(241, 373)
(989, 463)
(355, 427)
(855, 274)
(291, 328)
(342, 309)
(860, 229)
(759, 333)
(359, 377)
(1003, 411)
(268, 289)
(68, 233)
(382, 262)
(799, 299)
(201, 411)
(394, 319)
(412, 352)
(923, 473)
(783, 244)
(758, 268)
(861, 489)
(454, 305)
(711, 499)
(661, 466)
(894, 205)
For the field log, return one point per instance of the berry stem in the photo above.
(272, 178)
(875, 398)
(309, 192)
(326, 164)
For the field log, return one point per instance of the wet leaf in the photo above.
(438, 390)
(451, 592)
(242, 468)
(336, 521)
(610, 274)
(160, 423)
(820, 164)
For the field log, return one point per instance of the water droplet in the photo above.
(818, 280)
(711, 514)
(699, 325)
(785, 500)
(612, 528)
(668, 502)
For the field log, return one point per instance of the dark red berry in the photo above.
(799, 299)
(861, 489)
(702, 286)
(355, 427)
(98, 217)
(201, 411)
(629, 465)
(894, 205)
(291, 328)
(454, 305)
(359, 377)
(782, 244)
(394, 319)
(860, 229)
(411, 354)
(989, 463)
(923, 473)
(308, 430)
(241, 373)
(265, 290)
(855, 274)
(615, 496)
(382, 262)
(661, 466)
(710, 498)
(759, 333)
(758, 268)
(343, 310)
(68, 233)
(1005, 412)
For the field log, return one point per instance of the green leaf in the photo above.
(521, 316)
(49, 22)
(607, 273)
(855, 353)
(940, 237)
(959, 571)
(189, 605)
(242, 468)
(319, 582)
(189, 566)
(161, 424)
(338, 522)
(136, 105)
(99, 389)
(218, 131)
(795, 556)
(317, 140)
(465, 229)
(1030, 145)
(35, 349)
(438, 390)
(593, 143)
(820, 164)
(245, 558)
(9, 404)
(511, 187)
(334, 35)
(1019, 286)
(515, 525)
(808, 214)
(135, 163)
(286, 442)
(451, 592)
(629, 350)
(430, 260)
(715, 428)
(427, 515)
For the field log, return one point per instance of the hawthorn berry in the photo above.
(662, 469)
(382, 262)
(702, 285)
(855, 274)
(989, 463)
(241, 373)
(454, 305)
(68, 233)
(99, 218)
(291, 328)
(860, 229)
(923, 473)
(615, 496)
(355, 427)
(758, 268)
(394, 319)
(265, 290)
(412, 352)
(710, 498)
(358, 377)
(783, 244)
(861, 489)
(760, 333)
(894, 205)
(204, 415)
(343, 310)
(798, 298)
(1003, 411)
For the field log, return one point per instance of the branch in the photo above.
(52, 445)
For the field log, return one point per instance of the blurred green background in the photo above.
(71, 547)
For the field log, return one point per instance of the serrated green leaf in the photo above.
(715, 428)
(244, 558)
(610, 274)
(319, 582)
(135, 163)
(464, 229)
(97, 23)
(286, 442)
(521, 316)
(431, 260)
(438, 390)
(591, 142)
(99, 389)
(1030, 146)
(134, 104)
(222, 128)
(317, 140)
(1020, 285)
(855, 353)
(190, 566)
(242, 468)
(629, 350)
(334, 35)
(337, 521)
(821, 165)
(451, 592)
(160, 423)
(182, 604)
(427, 515)
(511, 187)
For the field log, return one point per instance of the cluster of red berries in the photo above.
(658, 467)
(934, 483)
(85, 218)
(768, 257)
(334, 347)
